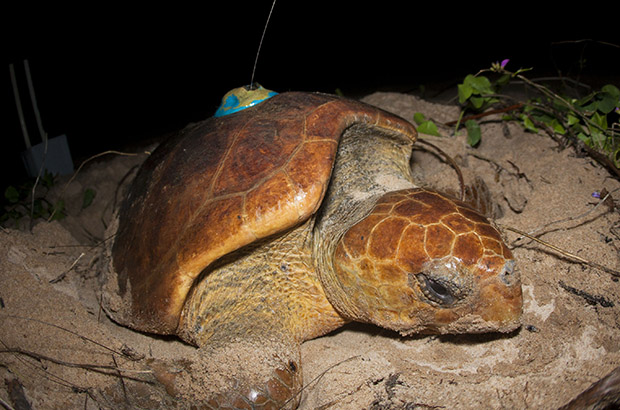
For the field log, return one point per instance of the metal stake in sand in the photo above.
(35, 106)
(52, 154)
(18, 103)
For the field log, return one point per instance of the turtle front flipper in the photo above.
(248, 356)
(249, 314)
(251, 373)
(255, 374)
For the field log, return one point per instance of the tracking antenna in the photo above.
(260, 45)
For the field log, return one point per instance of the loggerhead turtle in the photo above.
(248, 233)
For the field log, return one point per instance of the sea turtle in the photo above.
(248, 233)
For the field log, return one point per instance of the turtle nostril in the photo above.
(508, 276)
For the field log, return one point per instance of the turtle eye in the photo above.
(436, 290)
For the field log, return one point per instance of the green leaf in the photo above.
(528, 124)
(87, 200)
(557, 126)
(607, 103)
(611, 89)
(590, 108)
(542, 117)
(583, 137)
(473, 133)
(523, 70)
(503, 80)
(428, 128)
(559, 105)
(572, 120)
(578, 128)
(468, 79)
(419, 118)
(481, 85)
(598, 139)
(11, 194)
(58, 210)
(478, 102)
(600, 120)
(465, 91)
(37, 209)
(48, 179)
(584, 101)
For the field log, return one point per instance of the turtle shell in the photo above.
(219, 185)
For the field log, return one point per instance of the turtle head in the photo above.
(422, 263)
(241, 98)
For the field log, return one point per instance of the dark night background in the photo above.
(112, 76)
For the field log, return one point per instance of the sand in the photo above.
(59, 350)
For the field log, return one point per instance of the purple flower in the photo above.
(596, 194)
(504, 62)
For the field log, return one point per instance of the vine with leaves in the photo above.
(590, 123)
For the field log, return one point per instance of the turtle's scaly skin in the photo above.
(248, 234)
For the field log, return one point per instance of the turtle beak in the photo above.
(499, 305)
(503, 300)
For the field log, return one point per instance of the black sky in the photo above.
(107, 77)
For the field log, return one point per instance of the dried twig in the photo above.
(129, 154)
(50, 376)
(323, 373)
(566, 253)
(487, 113)
(581, 216)
(452, 163)
(64, 274)
(570, 255)
(6, 405)
(85, 338)
(100, 368)
(120, 376)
